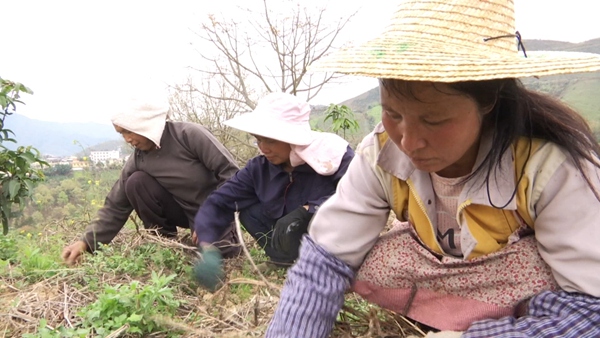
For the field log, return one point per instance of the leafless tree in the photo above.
(187, 103)
(257, 53)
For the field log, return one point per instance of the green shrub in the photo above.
(132, 305)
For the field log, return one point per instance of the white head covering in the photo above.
(285, 117)
(279, 116)
(324, 154)
(143, 118)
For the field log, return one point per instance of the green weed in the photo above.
(45, 332)
(132, 305)
(110, 258)
(8, 248)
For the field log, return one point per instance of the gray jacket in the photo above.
(190, 164)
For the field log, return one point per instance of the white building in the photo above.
(103, 156)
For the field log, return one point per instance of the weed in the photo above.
(45, 332)
(36, 266)
(132, 305)
(8, 248)
(109, 258)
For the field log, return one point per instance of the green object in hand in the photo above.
(208, 270)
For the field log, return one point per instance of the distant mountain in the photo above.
(55, 138)
(590, 46)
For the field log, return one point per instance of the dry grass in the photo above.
(225, 313)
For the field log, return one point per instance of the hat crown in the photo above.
(456, 25)
(283, 107)
(452, 41)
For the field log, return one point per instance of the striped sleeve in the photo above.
(312, 295)
(550, 314)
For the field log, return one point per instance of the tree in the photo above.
(248, 57)
(189, 104)
(59, 170)
(342, 118)
(19, 169)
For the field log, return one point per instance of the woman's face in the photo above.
(276, 152)
(438, 129)
(137, 141)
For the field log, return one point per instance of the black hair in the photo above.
(519, 112)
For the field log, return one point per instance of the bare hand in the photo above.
(194, 238)
(71, 254)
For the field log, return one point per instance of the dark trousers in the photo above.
(158, 210)
(155, 206)
(261, 228)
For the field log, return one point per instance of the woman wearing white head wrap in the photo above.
(174, 168)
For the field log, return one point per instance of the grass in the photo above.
(141, 285)
(583, 97)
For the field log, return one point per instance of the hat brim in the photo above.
(273, 129)
(412, 61)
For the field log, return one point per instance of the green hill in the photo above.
(579, 91)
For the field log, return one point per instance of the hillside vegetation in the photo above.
(140, 285)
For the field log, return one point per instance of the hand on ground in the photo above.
(71, 254)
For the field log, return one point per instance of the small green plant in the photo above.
(25, 255)
(132, 305)
(18, 171)
(342, 118)
(36, 266)
(167, 258)
(8, 249)
(61, 332)
(109, 258)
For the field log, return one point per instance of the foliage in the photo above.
(18, 171)
(132, 305)
(25, 255)
(75, 197)
(58, 170)
(140, 260)
(60, 332)
(8, 248)
(342, 118)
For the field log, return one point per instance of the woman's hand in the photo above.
(71, 254)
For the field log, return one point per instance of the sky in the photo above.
(85, 59)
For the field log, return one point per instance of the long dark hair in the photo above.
(520, 112)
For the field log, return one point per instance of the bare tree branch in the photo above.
(243, 60)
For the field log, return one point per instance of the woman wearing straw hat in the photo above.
(278, 192)
(174, 167)
(497, 188)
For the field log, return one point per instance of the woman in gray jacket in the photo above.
(174, 167)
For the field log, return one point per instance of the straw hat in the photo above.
(279, 116)
(450, 41)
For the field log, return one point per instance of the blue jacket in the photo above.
(278, 192)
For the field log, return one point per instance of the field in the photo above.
(140, 285)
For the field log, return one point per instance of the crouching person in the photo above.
(174, 167)
(278, 191)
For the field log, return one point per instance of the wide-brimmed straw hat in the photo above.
(279, 116)
(451, 41)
